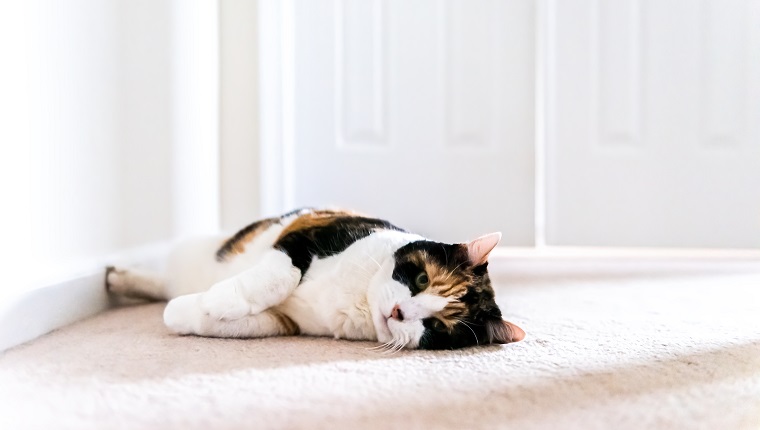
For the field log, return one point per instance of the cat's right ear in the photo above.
(479, 249)
(501, 331)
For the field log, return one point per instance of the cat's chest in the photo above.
(332, 297)
(332, 305)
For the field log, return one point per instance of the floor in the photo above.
(610, 344)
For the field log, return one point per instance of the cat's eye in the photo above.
(422, 281)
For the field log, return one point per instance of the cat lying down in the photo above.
(328, 273)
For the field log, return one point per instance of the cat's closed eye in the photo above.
(438, 325)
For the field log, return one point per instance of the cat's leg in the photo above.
(261, 287)
(136, 284)
(184, 315)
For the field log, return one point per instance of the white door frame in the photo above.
(275, 22)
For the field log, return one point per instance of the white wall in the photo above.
(102, 98)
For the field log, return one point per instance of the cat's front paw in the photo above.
(223, 302)
(183, 315)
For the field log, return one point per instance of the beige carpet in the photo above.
(610, 345)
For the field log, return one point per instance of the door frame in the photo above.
(276, 98)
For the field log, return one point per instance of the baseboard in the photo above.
(568, 253)
(36, 311)
(598, 261)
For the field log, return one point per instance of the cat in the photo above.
(328, 273)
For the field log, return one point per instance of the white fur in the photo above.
(268, 283)
(185, 315)
(349, 295)
(193, 268)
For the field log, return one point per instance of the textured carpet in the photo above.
(609, 345)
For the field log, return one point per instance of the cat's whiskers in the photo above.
(448, 276)
(468, 326)
(398, 344)
(374, 261)
(402, 344)
(362, 268)
(380, 347)
(394, 348)
(363, 272)
(388, 349)
(459, 265)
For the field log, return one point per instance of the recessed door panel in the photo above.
(652, 125)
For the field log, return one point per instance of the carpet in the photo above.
(624, 345)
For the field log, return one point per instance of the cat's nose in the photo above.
(396, 313)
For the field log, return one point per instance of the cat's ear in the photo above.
(479, 249)
(500, 331)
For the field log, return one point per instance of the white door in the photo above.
(420, 112)
(653, 125)
(423, 112)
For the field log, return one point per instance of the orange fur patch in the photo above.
(288, 326)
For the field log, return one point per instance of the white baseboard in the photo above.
(587, 253)
(33, 312)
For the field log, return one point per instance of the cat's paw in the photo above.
(115, 280)
(183, 315)
(223, 302)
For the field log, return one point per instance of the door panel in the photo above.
(421, 112)
(652, 135)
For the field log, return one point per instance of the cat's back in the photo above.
(305, 235)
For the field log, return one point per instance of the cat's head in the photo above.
(439, 296)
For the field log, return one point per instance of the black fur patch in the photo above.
(328, 238)
(471, 330)
(460, 336)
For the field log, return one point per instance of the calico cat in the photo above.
(329, 273)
